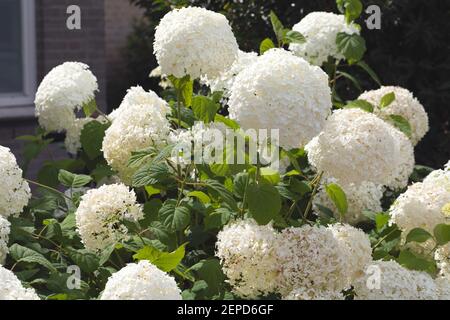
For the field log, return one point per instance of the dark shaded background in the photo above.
(411, 50)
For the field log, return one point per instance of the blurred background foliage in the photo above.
(411, 50)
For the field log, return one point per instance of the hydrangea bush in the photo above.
(343, 212)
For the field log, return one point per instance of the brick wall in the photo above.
(57, 44)
(119, 18)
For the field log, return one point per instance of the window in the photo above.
(17, 54)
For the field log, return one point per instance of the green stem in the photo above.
(316, 181)
(49, 188)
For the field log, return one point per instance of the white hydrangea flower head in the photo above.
(138, 96)
(4, 238)
(14, 190)
(247, 253)
(356, 146)
(311, 258)
(140, 127)
(62, 91)
(200, 136)
(284, 92)
(12, 289)
(225, 81)
(426, 288)
(405, 168)
(101, 213)
(365, 196)
(313, 294)
(395, 283)
(420, 206)
(320, 30)
(405, 105)
(358, 245)
(443, 288)
(194, 41)
(442, 257)
(141, 281)
(73, 134)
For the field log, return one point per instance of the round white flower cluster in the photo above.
(443, 288)
(396, 283)
(405, 105)
(4, 238)
(247, 253)
(284, 92)
(63, 91)
(405, 168)
(356, 146)
(141, 281)
(320, 30)
(420, 206)
(14, 190)
(360, 197)
(312, 294)
(312, 258)
(442, 257)
(198, 137)
(12, 289)
(138, 96)
(357, 244)
(194, 41)
(226, 79)
(101, 213)
(72, 141)
(135, 127)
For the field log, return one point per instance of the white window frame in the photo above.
(21, 104)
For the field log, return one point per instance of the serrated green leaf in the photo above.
(352, 46)
(418, 235)
(401, 124)
(361, 104)
(72, 180)
(204, 108)
(338, 196)
(264, 202)
(442, 234)
(174, 216)
(266, 45)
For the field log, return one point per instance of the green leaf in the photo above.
(361, 104)
(418, 235)
(226, 121)
(351, 78)
(106, 254)
(151, 174)
(294, 37)
(381, 220)
(174, 217)
(218, 218)
(210, 271)
(184, 87)
(387, 99)
(204, 108)
(87, 261)
(401, 124)
(442, 234)
(151, 209)
(266, 45)
(23, 254)
(163, 260)
(409, 260)
(369, 71)
(264, 202)
(203, 197)
(72, 180)
(277, 26)
(217, 189)
(138, 157)
(352, 46)
(151, 191)
(300, 187)
(337, 195)
(91, 138)
(270, 175)
(241, 181)
(90, 107)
